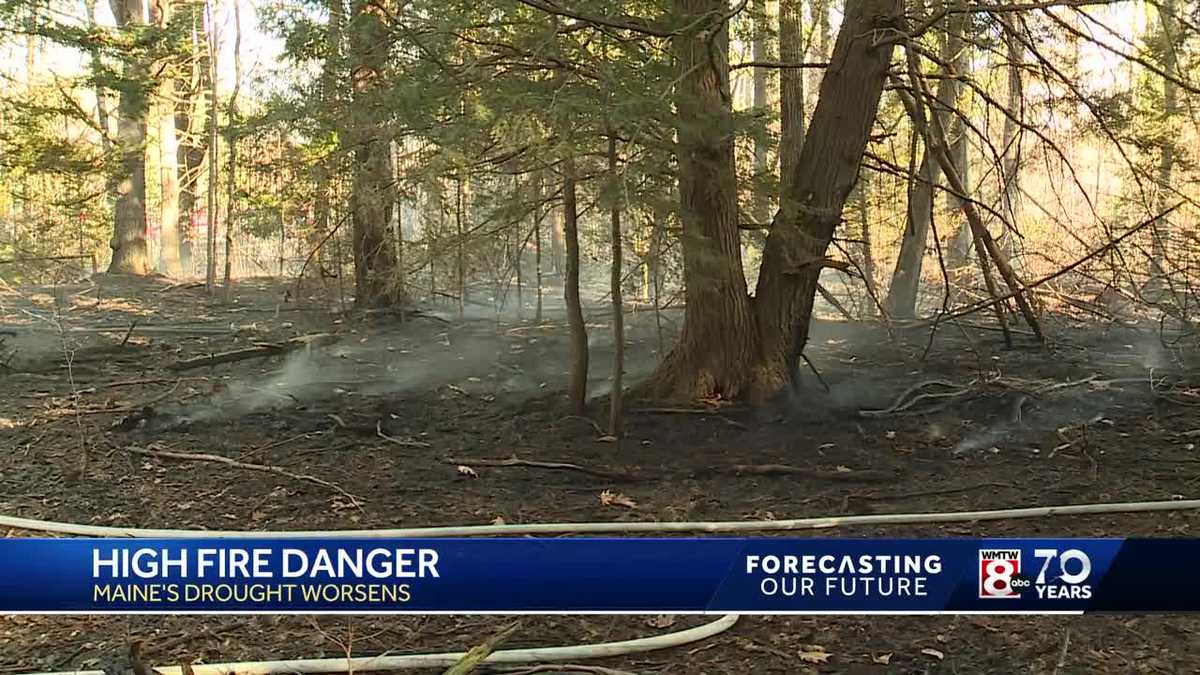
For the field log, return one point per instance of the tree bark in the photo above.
(577, 386)
(791, 88)
(130, 255)
(214, 149)
(231, 179)
(716, 348)
(817, 190)
(372, 199)
(760, 205)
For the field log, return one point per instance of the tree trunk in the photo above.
(818, 187)
(577, 387)
(192, 150)
(716, 348)
(130, 255)
(538, 214)
(906, 276)
(372, 199)
(214, 148)
(168, 151)
(618, 306)
(791, 88)
(231, 179)
(760, 205)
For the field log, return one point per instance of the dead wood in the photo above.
(788, 470)
(260, 349)
(402, 442)
(205, 457)
(533, 464)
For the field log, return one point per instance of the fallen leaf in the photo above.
(882, 659)
(661, 621)
(499, 520)
(610, 498)
(934, 653)
(890, 435)
(607, 439)
(464, 470)
(814, 654)
(843, 469)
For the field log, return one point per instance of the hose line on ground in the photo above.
(818, 523)
(406, 661)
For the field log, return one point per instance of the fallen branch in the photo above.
(900, 406)
(217, 459)
(258, 350)
(532, 464)
(478, 654)
(402, 442)
(787, 470)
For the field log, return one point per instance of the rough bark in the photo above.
(791, 88)
(716, 348)
(760, 205)
(817, 190)
(372, 199)
(577, 386)
(130, 255)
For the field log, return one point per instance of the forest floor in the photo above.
(482, 388)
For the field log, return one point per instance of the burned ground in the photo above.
(1105, 413)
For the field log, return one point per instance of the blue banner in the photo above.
(764, 575)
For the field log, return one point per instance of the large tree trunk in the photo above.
(791, 88)
(130, 255)
(716, 348)
(760, 205)
(577, 387)
(906, 276)
(817, 190)
(372, 199)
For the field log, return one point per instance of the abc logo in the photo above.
(1000, 573)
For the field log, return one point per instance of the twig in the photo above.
(1062, 654)
(402, 442)
(900, 405)
(205, 457)
(561, 668)
(561, 466)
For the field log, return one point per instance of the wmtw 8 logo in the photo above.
(1000, 573)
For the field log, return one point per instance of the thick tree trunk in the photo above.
(906, 276)
(791, 88)
(577, 387)
(818, 187)
(130, 255)
(760, 205)
(716, 348)
(372, 199)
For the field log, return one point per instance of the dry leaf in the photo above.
(661, 621)
(610, 498)
(843, 469)
(607, 439)
(814, 654)
(882, 659)
(934, 653)
(499, 520)
(464, 470)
